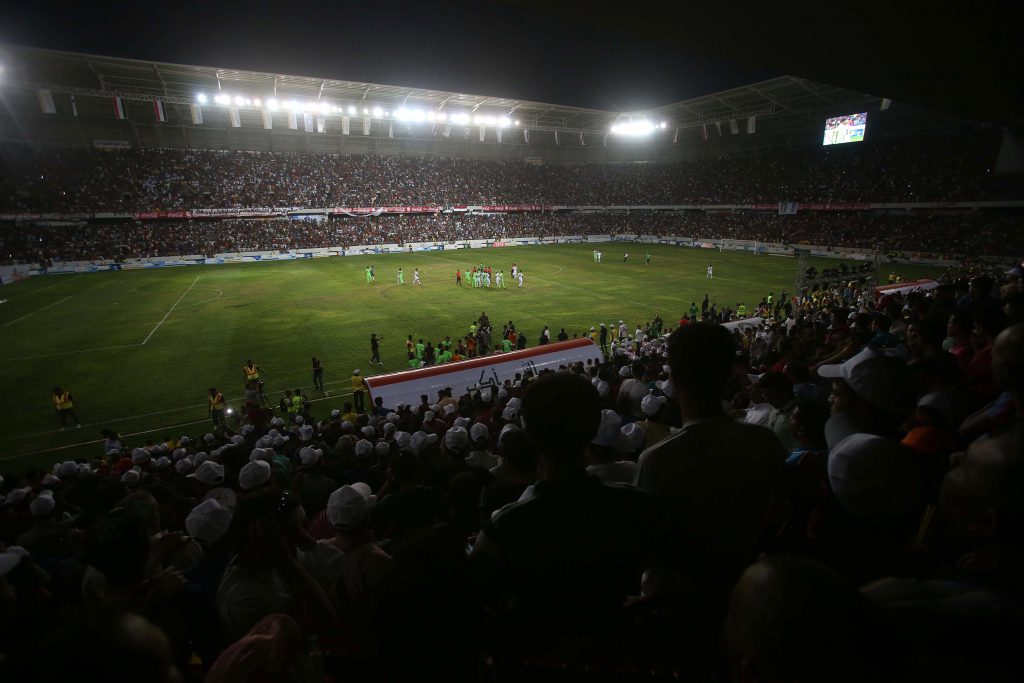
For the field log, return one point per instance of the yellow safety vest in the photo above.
(62, 401)
(295, 404)
(217, 402)
(251, 372)
(357, 383)
(742, 311)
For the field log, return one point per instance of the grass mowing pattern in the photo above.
(86, 332)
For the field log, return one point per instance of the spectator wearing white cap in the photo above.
(654, 424)
(874, 391)
(364, 565)
(310, 484)
(604, 460)
(718, 479)
(479, 454)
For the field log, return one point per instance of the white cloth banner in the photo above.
(675, 138)
(197, 115)
(307, 123)
(582, 143)
(391, 130)
(293, 120)
(483, 133)
(321, 124)
(345, 122)
(718, 125)
(556, 137)
(366, 125)
(733, 126)
(447, 131)
(526, 134)
(498, 132)
(751, 124)
(46, 101)
(268, 120)
(234, 118)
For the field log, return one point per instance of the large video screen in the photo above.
(842, 129)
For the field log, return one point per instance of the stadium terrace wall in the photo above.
(9, 274)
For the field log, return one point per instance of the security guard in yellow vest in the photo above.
(64, 405)
(358, 391)
(216, 400)
(741, 310)
(251, 370)
(299, 406)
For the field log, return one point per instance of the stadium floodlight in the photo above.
(351, 109)
(491, 120)
(517, 122)
(664, 124)
(256, 102)
(239, 100)
(221, 99)
(272, 104)
(325, 108)
(633, 128)
(504, 122)
(461, 117)
(441, 116)
(366, 111)
(378, 112)
(201, 98)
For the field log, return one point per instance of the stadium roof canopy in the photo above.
(85, 75)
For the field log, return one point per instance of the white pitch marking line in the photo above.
(38, 310)
(169, 311)
(147, 431)
(69, 353)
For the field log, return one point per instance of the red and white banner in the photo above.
(119, 111)
(488, 372)
(376, 211)
(509, 207)
(152, 215)
(159, 110)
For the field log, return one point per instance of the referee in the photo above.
(375, 349)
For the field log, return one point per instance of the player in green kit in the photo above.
(506, 345)
(367, 274)
(401, 277)
(647, 259)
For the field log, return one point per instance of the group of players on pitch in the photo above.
(476, 276)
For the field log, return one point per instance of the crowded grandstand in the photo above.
(819, 484)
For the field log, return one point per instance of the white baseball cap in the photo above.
(609, 429)
(456, 438)
(140, 456)
(369, 433)
(630, 438)
(306, 433)
(183, 466)
(883, 381)
(874, 476)
(209, 473)
(310, 456)
(479, 432)
(651, 404)
(363, 448)
(261, 454)
(254, 474)
(346, 508)
(43, 504)
(403, 439)
(208, 521)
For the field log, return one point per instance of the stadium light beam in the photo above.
(378, 113)
(201, 98)
(637, 128)
(272, 104)
(351, 110)
(239, 101)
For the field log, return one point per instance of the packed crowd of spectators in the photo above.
(951, 235)
(69, 180)
(836, 493)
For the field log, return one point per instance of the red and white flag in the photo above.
(159, 110)
(120, 113)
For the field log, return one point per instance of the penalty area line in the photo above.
(38, 310)
(169, 311)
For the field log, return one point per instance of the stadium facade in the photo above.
(63, 98)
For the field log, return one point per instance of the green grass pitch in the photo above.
(139, 349)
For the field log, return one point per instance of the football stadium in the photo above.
(291, 363)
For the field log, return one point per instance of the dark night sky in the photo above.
(626, 57)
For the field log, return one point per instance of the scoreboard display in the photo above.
(843, 129)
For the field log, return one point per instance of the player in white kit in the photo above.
(520, 279)
(416, 276)
(711, 273)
